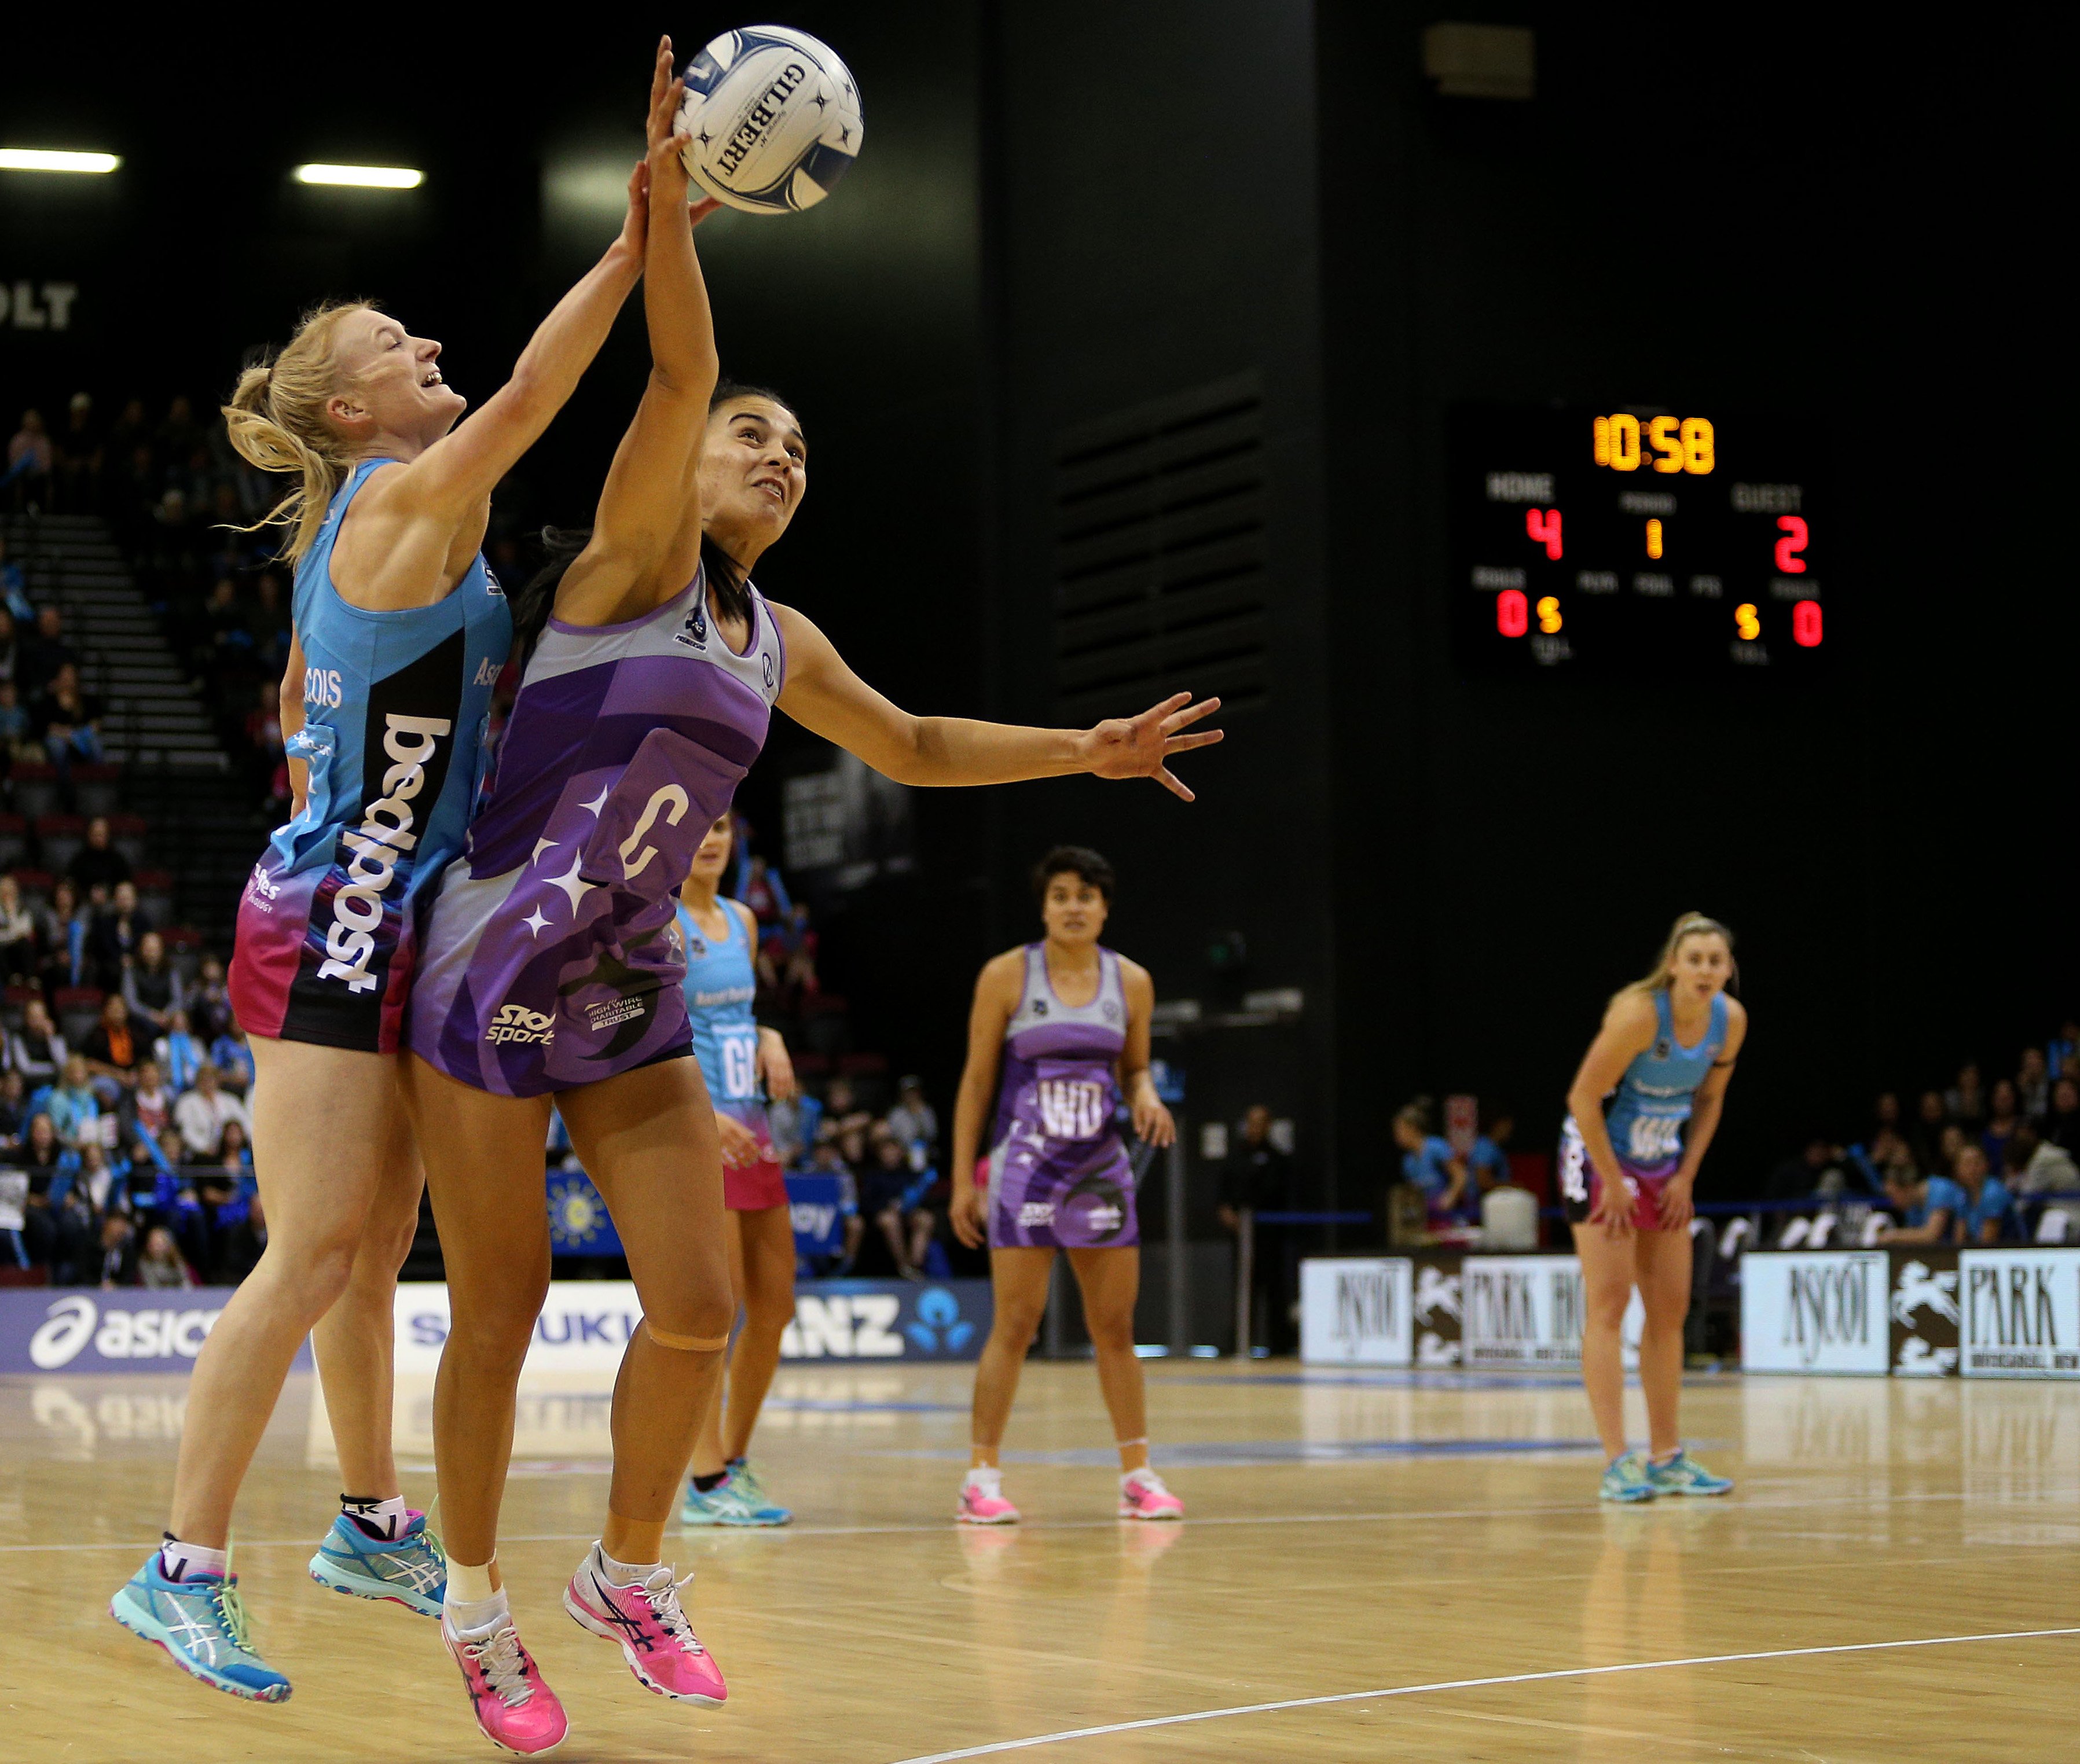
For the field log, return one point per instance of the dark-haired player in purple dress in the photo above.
(1067, 1020)
(547, 969)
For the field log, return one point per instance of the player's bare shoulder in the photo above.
(1136, 981)
(1631, 1017)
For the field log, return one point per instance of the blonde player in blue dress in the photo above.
(1661, 1061)
(1066, 1021)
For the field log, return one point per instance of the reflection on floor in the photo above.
(1349, 1532)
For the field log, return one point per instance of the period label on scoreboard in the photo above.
(1637, 539)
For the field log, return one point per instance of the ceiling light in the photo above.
(45, 159)
(363, 176)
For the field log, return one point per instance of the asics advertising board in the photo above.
(132, 1329)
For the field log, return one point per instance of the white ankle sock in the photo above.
(383, 1519)
(625, 1573)
(477, 1617)
(178, 1560)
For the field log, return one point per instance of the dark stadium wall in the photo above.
(1670, 220)
(1152, 211)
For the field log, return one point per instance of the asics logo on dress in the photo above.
(517, 1023)
(488, 672)
(1033, 1213)
(385, 833)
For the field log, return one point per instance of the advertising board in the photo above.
(1827, 1311)
(1357, 1311)
(1525, 1311)
(2020, 1313)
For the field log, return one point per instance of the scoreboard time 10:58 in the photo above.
(1635, 540)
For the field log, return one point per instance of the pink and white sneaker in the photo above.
(646, 1619)
(1143, 1496)
(982, 1499)
(516, 1711)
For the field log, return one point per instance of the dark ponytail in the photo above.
(532, 605)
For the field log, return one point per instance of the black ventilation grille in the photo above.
(1160, 568)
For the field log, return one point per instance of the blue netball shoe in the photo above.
(1626, 1479)
(411, 1570)
(745, 1481)
(1682, 1474)
(728, 1504)
(199, 1620)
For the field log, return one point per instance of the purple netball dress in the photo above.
(1058, 1173)
(548, 960)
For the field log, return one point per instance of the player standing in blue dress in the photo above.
(1664, 1056)
(400, 632)
(742, 1065)
(1066, 1020)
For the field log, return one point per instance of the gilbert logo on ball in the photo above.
(774, 118)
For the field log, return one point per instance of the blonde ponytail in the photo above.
(1689, 924)
(276, 420)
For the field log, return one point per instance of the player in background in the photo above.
(399, 631)
(1664, 1056)
(1066, 1021)
(739, 1061)
(651, 667)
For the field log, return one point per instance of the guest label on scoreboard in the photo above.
(1638, 540)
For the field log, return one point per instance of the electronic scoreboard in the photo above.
(1637, 540)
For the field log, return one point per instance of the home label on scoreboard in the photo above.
(1639, 540)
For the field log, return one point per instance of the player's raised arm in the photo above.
(825, 695)
(459, 471)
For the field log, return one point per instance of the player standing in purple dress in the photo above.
(1068, 1020)
(548, 967)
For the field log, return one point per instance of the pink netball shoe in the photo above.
(982, 1499)
(657, 1641)
(1143, 1496)
(518, 1712)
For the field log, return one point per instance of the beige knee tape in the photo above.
(691, 1344)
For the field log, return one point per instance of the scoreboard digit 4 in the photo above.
(1636, 540)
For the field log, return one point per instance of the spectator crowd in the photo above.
(1968, 1162)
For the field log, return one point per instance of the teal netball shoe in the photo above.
(200, 1622)
(745, 1481)
(1627, 1480)
(726, 1504)
(411, 1570)
(1682, 1474)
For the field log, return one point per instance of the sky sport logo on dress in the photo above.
(516, 1023)
(385, 834)
(1035, 1213)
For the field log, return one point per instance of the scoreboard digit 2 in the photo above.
(1637, 540)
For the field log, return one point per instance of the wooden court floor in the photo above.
(1377, 1565)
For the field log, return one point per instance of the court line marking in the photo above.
(940, 1526)
(1464, 1684)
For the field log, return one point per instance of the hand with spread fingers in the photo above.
(1142, 747)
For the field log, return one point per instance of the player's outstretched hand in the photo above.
(1142, 747)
